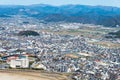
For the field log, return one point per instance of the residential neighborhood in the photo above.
(60, 47)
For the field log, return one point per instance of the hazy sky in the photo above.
(63, 2)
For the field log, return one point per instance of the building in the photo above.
(20, 62)
(38, 65)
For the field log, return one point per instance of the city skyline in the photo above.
(115, 3)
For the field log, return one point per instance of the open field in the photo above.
(92, 32)
(107, 44)
(28, 75)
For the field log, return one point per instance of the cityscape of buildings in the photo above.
(60, 47)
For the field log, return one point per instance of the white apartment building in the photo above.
(21, 62)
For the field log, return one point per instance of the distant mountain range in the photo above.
(99, 15)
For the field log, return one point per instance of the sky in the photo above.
(115, 3)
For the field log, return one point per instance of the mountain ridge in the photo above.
(99, 15)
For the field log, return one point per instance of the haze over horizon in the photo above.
(114, 3)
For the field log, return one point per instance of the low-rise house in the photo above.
(38, 65)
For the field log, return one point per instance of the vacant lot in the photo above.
(24, 75)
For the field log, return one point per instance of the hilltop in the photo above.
(28, 33)
(114, 34)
